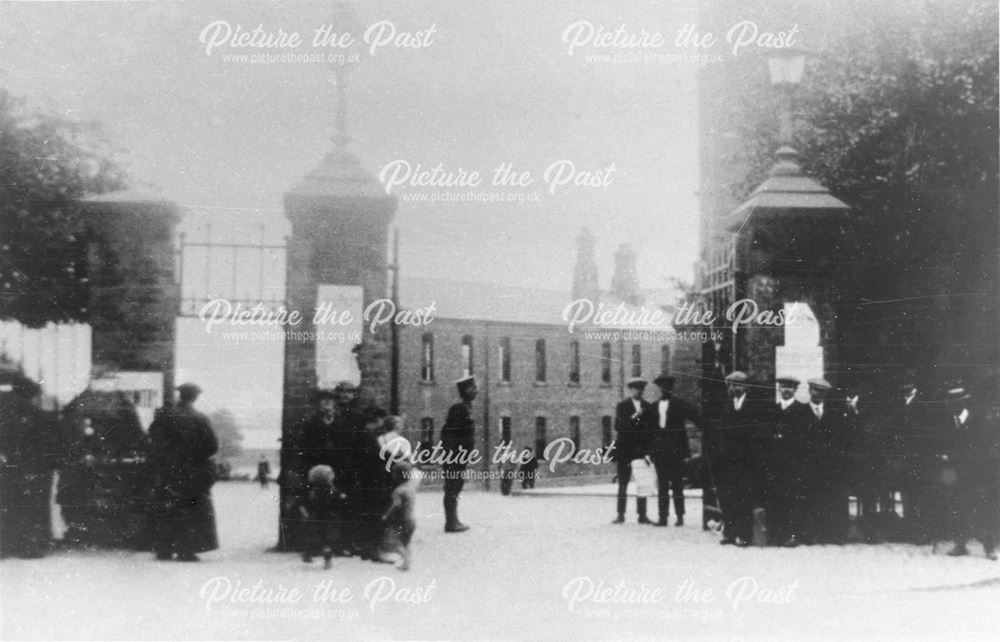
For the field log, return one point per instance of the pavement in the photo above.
(533, 566)
(589, 490)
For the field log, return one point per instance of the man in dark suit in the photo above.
(972, 453)
(826, 487)
(736, 478)
(779, 452)
(630, 444)
(665, 421)
(458, 438)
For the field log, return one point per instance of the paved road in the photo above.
(541, 568)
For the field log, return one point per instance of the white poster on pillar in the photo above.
(338, 331)
(802, 355)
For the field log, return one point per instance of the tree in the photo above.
(898, 117)
(230, 435)
(47, 163)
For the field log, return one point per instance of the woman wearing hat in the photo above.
(181, 446)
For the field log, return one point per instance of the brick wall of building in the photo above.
(523, 399)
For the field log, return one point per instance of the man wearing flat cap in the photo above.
(779, 452)
(181, 446)
(826, 487)
(458, 438)
(630, 444)
(733, 439)
(666, 424)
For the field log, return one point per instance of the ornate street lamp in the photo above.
(785, 68)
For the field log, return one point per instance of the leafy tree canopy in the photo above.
(47, 162)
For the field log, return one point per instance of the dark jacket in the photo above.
(972, 451)
(781, 445)
(632, 440)
(458, 432)
(669, 443)
(733, 440)
(181, 446)
(829, 441)
(182, 443)
(336, 444)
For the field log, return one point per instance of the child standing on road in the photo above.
(323, 510)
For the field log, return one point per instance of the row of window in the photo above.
(504, 356)
(541, 432)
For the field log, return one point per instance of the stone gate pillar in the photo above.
(340, 218)
(336, 260)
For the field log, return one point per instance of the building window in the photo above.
(504, 355)
(605, 431)
(505, 431)
(540, 360)
(606, 363)
(574, 431)
(574, 362)
(467, 355)
(427, 358)
(636, 360)
(665, 359)
(541, 440)
(426, 432)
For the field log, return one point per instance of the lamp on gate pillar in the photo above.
(788, 235)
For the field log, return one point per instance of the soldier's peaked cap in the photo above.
(737, 376)
(465, 382)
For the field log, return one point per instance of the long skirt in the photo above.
(186, 525)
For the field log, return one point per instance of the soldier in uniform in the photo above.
(630, 444)
(972, 450)
(779, 452)
(666, 424)
(181, 446)
(458, 438)
(736, 478)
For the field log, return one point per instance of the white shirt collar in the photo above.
(738, 401)
(785, 403)
(963, 416)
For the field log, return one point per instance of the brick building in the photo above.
(538, 381)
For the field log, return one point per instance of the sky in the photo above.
(489, 84)
(493, 84)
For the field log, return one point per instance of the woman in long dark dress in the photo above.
(182, 444)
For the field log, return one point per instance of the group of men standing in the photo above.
(782, 470)
(658, 432)
(336, 435)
